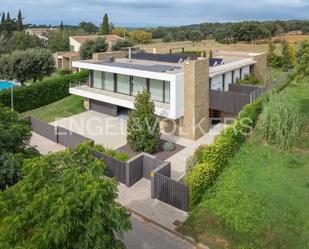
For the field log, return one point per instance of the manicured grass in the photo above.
(61, 109)
(261, 199)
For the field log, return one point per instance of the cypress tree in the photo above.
(61, 27)
(2, 24)
(20, 25)
(286, 57)
(143, 126)
(105, 26)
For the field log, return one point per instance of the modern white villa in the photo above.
(187, 91)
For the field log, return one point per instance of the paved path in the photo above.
(44, 145)
(148, 236)
(178, 161)
(138, 198)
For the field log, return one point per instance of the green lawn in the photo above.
(61, 109)
(261, 200)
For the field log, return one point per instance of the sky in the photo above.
(140, 13)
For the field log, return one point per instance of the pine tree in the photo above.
(20, 25)
(104, 30)
(143, 127)
(61, 27)
(210, 54)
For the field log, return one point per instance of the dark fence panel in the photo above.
(135, 170)
(44, 129)
(150, 164)
(231, 102)
(243, 88)
(115, 168)
(70, 139)
(171, 192)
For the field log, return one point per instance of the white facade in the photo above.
(74, 45)
(173, 110)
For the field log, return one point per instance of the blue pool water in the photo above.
(6, 85)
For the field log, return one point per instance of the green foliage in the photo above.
(15, 134)
(168, 38)
(213, 158)
(88, 27)
(105, 27)
(302, 56)
(141, 36)
(89, 47)
(196, 36)
(120, 44)
(41, 93)
(249, 80)
(168, 146)
(287, 57)
(20, 25)
(64, 71)
(281, 124)
(63, 201)
(121, 156)
(143, 126)
(26, 65)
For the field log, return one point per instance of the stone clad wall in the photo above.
(260, 69)
(195, 122)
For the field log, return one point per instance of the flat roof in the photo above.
(158, 68)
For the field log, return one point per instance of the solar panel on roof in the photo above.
(215, 61)
(152, 68)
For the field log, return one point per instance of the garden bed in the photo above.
(160, 154)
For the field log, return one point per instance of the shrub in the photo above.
(168, 146)
(121, 156)
(41, 93)
(120, 44)
(143, 126)
(211, 159)
(64, 71)
(89, 47)
(280, 123)
(249, 80)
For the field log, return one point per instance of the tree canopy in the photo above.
(88, 27)
(63, 201)
(122, 44)
(15, 134)
(143, 126)
(105, 26)
(31, 64)
(89, 47)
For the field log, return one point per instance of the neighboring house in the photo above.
(41, 33)
(64, 59)
(186, 91)
(77, 41)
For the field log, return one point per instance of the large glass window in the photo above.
(156, 89)
(97, 79)
(167, 92)
(108, 81)
(123, 84)
(138, 84)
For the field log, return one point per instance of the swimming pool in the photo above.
(6, 84)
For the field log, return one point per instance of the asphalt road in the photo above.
(149, 236)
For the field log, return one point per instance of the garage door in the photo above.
(103, 107)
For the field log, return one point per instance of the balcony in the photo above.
(235, 99)
(118, 99)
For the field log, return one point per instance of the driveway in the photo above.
(147, 236)
(44, 145)
(103, 129)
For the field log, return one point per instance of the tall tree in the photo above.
(287, 59)
(88, 27)
(20, 25)
(143, 126)
(61, 27)
(2, 24)
(89, 47)
(104, 30)
(63, 201)
(14, 146)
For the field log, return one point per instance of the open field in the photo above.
(207, 45)
(60, 109)
(261, 199)
(292, 38)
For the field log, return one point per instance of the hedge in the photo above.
(41, 93)
(211, 159)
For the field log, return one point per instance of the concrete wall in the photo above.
(260, 69)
